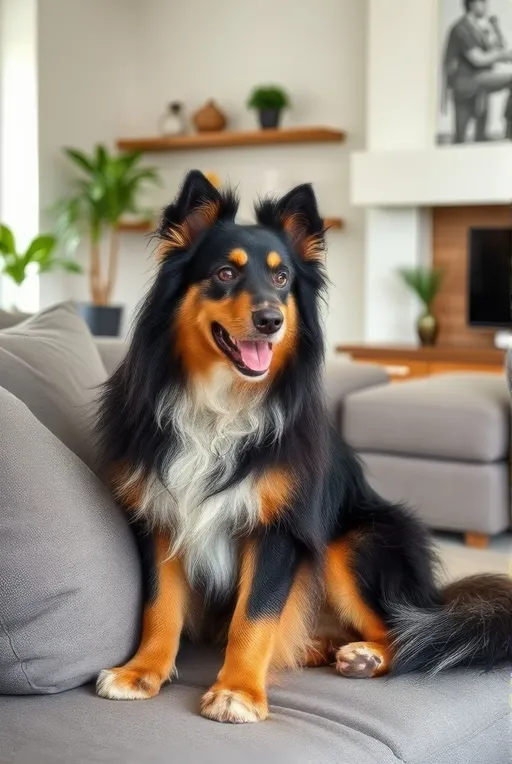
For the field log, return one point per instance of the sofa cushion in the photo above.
(316, 717)
(52, 364)
(480, 503)
(112, 351)
(465, 417)
(69, 574)
(343, 377)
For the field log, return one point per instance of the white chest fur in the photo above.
(205, 523)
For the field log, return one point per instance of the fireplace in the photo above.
(450, 226)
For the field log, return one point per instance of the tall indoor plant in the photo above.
(108, 188)
(38, 257)
(425, 283)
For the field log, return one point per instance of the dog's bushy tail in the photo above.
(472, 627)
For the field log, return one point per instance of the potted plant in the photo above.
(39, 257)
(269, 101)
(425, 283)
(108, 188)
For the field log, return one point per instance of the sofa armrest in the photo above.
(112, 351)
(343, 377)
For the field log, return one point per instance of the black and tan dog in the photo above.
(216, 441)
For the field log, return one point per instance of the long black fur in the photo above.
(393, 560)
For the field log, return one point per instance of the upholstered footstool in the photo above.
(442, 445)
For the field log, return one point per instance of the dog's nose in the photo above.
(267, 320)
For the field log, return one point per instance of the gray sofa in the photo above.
(442, 444)
(316, 718)
(70, 597)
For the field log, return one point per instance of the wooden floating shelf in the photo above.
(137, 226)
(146, 226)
(224, 139)
(335, 223)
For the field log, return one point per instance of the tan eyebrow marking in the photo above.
(273, 260)
(238, 257)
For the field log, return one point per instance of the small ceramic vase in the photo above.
(209, 118)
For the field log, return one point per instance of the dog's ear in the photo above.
(197, 207)
(297, 215)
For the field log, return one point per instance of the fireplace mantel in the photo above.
(449, 175)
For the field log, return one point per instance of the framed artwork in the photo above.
(474, 71)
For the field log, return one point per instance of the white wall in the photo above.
(89, 92)
(401, 118)
(401, 74)
(107, 69)
(315, 49)
(395, 238)
(19, 190)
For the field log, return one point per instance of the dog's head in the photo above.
(240, 298)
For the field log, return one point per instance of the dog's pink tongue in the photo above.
(255, 355)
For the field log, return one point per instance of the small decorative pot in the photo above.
(269, 118)
(102, 320)
(209, 118)
(428, 329)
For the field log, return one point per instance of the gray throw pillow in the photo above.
(52, 364)
(8, 319)
(70, 589)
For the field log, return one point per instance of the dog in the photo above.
(242, 496)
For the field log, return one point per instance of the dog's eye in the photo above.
(226, 274)
(280, 278)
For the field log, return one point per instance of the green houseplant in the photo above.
(269, 101)
(39, 256)
(107, 188)
(425, 283)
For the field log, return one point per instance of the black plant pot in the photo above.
(269, 118)
(102, 320)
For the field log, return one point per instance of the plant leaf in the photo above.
(127, 160)
(268, 97)
(67, 227)
(110, 189)
(81, 159)
(147, 173)
(7, 244)
(15, 270)
(71, 266)
(101, 158)
(424, 282)
(40, 249)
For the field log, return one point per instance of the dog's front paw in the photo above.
(233, 706)
(125, 683)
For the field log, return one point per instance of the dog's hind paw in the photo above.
(361, 660)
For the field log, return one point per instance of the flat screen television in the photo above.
(490, 280)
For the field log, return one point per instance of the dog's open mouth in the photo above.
(252, 358)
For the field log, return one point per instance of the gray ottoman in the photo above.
(442, 445)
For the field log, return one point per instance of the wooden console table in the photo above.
(402, 362)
